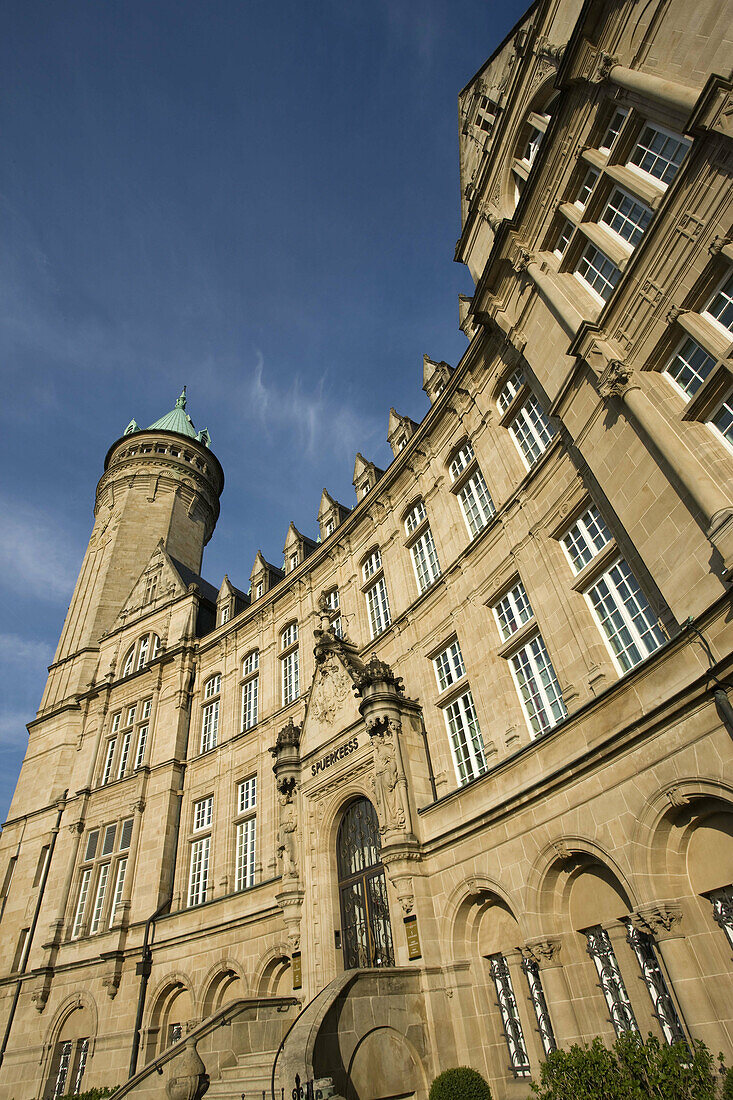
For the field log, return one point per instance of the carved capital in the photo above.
(660, 919)
(563, 851)
(615, 379)
(542, 952)
(521, 259)
(717, 245)
(76, 828)
(673, 314)
(676, 797)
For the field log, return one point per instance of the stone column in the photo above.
(570, 317)
(527, 1018)
(617, 381)
(546, 954)
(679, 97)
(663, 921)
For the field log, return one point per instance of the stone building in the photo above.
(454, 785)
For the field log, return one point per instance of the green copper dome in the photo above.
(177, 420)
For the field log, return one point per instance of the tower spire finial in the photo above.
(181, 402)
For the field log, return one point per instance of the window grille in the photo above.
(722, 903)
(476, 503)
(509, 391)
(124, 754)
(212, 687)
(119, 886)
(203, 813)
(651, 971)
(612, 984)
(689, 367)
(372, 565)
(82, 1065)
(626, 216)
(251, 663)
(99, 898)
(108, 844)
(415, 518)
(210, 726)
(539, 1004)
(247, 794)
(518, 1057)
(63, 1070)
(289, 636)
(142, 738)
(126, 834)
(81, 903)
(250, 692)
(107, 770)
(465, 738)
(461, 460)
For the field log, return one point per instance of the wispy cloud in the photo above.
(36, 552)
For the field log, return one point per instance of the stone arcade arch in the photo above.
(384, 1066)
(70, 1046)
(223, 983)
(274, 973)
(172, 1010)
(365, 921)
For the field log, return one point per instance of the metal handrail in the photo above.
(219, 1019)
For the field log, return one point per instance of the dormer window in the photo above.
(224, 614)
(330, 528)
(259, 589)
(401, 443)
(293, 561)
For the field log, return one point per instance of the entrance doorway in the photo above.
(367, 932)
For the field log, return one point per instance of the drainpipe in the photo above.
(31, 931)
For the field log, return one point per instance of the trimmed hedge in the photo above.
(90, 1094)
(460, 1083)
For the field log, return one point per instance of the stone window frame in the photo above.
(535, 122)
(123, 741)
(250, 676)
(512, 393)
(210, 713)
(333, 603)
(420, 543)
(142, 653)
(467, 478)
(100, 877)
(289, 657)
(376, 594)
(244, 834)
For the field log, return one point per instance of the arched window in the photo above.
(139, 655)
(363, 889)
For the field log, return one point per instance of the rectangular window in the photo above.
(722, 420)
(203, 813)
(537, 686)
(720, 308)
(330, 528)
(20, 950)
(586, 538)
(108, 844)
(109, 757)
(99, 898)
(247, 794)
(41, 865)
(126, 834)
(199, 872)
(466, 742)
(586, 188)
(512, 611)
(689, 367)
(651, 971)
(425, 560)
(259, 589)
(722, 903)
(146, 709)
(124, 754)
(476, 503)
(531, 431)
(614, 129)
(563, 238)
(210, 726)
(449, 666)
(250, 691)
(461, 460)
(81, 1065)
(626, 216)
(378, 607)
(116, 722)
(290, 678)
(625, 617)
(142, 738)
(372, 565)
(131, 714)
(143, 651)
(598, 272)
(81, 903)
(225, 612)
(246, 840)
(612, 984)
(63, 1070)
(539, 1004)
(92, 842)
(119, 886)
(659, 153)
(513, 1033)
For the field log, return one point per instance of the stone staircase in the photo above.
(250, 1078)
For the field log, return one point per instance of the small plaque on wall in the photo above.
(297, 971)
(413, 938)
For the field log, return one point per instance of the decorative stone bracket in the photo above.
(660, 919)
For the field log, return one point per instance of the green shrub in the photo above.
(460, 1083)
(634, 1069)
(727, 1090)
(90, 1094)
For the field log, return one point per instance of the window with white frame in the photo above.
(658, 153)
(562, 240)
(333, 603)
(719, 309)
(471, 490)
(537, 686)
(139, 655)
(586, 188)
(198, 874)
(246, 833)
(613, 129)
(289, 665)
(330, 528)
(224, 614)
(597, 272)
(259, 589)
(210, 714)
(626, 216)
(464, 735)
(525, 419)
(203, 812)
(512, 611)
(378, 607)
(449, 666)
(250, 690)
(422, 547)
(371, 565)
(109, 757)
(625, 619)
(105, 861)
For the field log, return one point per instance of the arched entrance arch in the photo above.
(367, 931)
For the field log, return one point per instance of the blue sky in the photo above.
(258, 200)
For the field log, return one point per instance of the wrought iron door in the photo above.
(367, 932)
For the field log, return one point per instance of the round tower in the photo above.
(159, 483)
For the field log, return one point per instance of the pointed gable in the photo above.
(229, 602)
(296, 549)
(366, 475)
(399, 430)
(330, 514)
(332, 706)
(159, 582)
(435, 377)
(263, 577)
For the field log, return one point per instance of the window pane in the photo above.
(690, 367)
(586, 538)
(721, 305)
(513, 611)
(539, 690)
(378, 608)
(625, 616)
(449, 665)
(199, 872)
(425, 560)
(722, 420)
(245, 867)
(598, 272)
(250, 691)
(476, 503)
(465, 738)
(659, 154)
(531, 430)
(626, 216)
